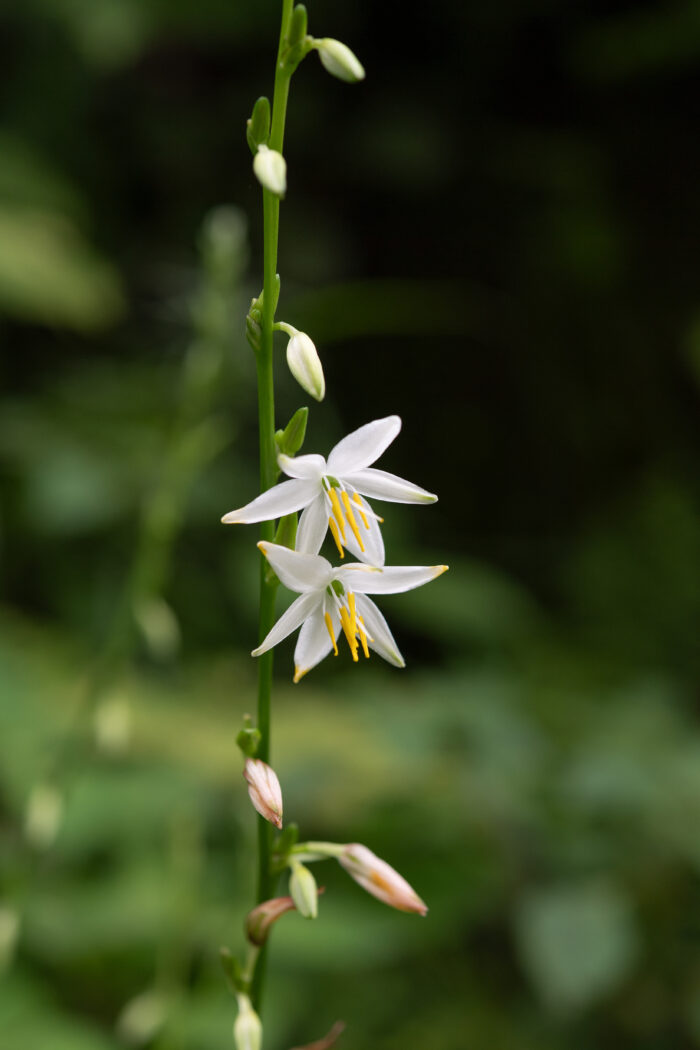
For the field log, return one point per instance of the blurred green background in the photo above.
(496, 236)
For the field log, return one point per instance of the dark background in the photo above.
(495, 236)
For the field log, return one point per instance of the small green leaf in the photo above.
(258, 125)
(290, 440)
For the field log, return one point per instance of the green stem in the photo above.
(268, 467)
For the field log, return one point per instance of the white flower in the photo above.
(270, 169)
(339, 60)
(330, 493)
(334, 600)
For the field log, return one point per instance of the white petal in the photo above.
(372, 540)
(379, 484)
(277, 501)
(313, 525)
(312, 466)
(392, 580)
(298, 611)
(379, 637)
(299, 572)
(313, 644)
(363, 446)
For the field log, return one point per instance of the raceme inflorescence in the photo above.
(318, 496)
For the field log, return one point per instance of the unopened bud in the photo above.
(270, 169)
(339, 60)
(264, 790)
(304, 362)
(247, 1029)
(302, 886)
(380, 879)
(260, 919)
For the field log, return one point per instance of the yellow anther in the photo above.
(345, 621)
(329, 625)
(356, 499)
(353, 613)
(363, 640)
(337, 511)
(351, 519)
(336, 536)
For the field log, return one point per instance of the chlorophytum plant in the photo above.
(318, 497)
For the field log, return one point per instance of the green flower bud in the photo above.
(302, 886)
(258, 125)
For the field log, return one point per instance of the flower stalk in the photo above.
(268, 462)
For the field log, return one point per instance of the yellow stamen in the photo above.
(363, 640)
(356, 499)
(329, 625)
(335, 503)
(345, 621)
(351, 519)
(336, 536)
(353, 613)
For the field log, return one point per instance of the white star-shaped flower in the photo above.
(334, 600)
(330, 494)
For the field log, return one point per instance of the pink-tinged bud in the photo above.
(264, 790)
(380, 879)
(260, 919)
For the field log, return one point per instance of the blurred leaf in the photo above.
(577, 942)
(51, 275)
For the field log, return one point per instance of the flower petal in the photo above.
(282, 499)
(313, 644)
(307, 467)
(300, 609)
(379, 637)
(313, 525)
(372, 541)
(300, 572)
(391, 580)
(379, 484)
(363, 446)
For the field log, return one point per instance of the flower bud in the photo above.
(339, 60)
(270, 169)
(305, 364)
(247, 1029)
(260, 919)
(380, 879)
(302, 886)
(264, 790)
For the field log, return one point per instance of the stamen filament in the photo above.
(329, 626)
(363, 640)
(362, 621)
(337, 511)
(351, 519)
(336, 536)
(350, 637)
(356, 499)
